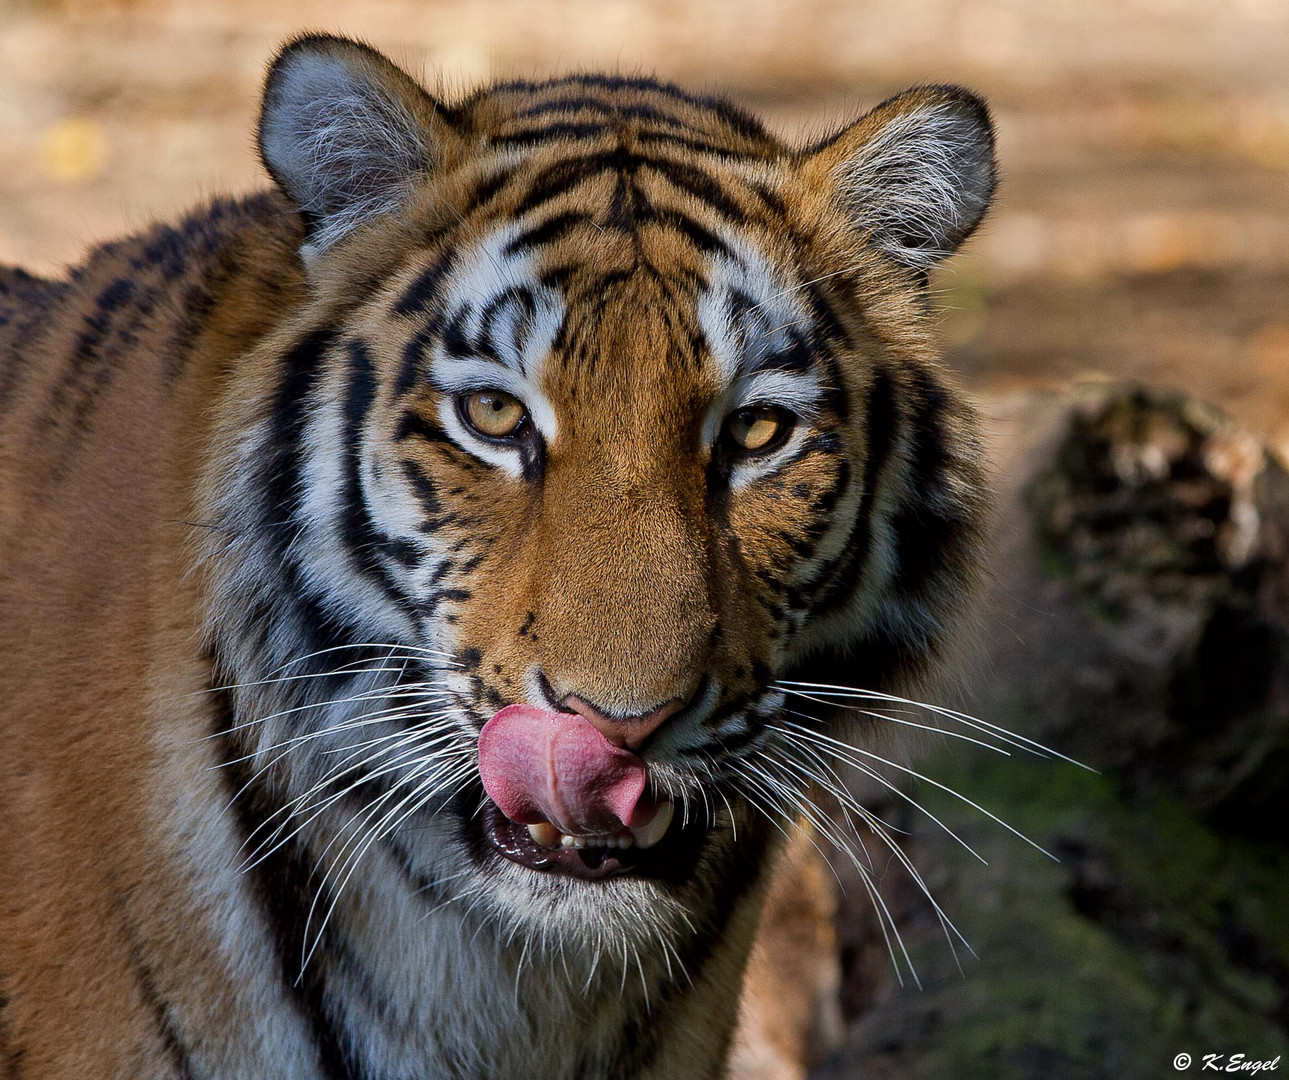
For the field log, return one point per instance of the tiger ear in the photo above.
(344, 133)
(916, 174)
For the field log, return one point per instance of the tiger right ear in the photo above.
(915, 175)
(345, 133)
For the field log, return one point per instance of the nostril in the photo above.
(627, 731)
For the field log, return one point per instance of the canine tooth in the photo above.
(648, 835)
(545, 834)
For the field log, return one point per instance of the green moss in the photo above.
(1179, 954)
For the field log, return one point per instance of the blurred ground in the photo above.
(1141, 232)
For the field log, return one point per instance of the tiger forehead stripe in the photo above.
(585, 106)
(492, 324)
(760, 336)
(653, 183)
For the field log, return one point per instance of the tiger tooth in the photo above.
(545, 834)
(648, 835)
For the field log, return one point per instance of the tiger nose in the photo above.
(628, 731)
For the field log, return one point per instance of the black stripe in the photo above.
(549, 133)
(566, 174)
(430, 605)
(560, 178)
(281, 482)
(699, 235)
(827, 322)
(604, 106)
(284, 884)
(772, 199)
(700, 185)
(930, 524)
(195, 305)
(796, 358)
(171, 1044)
(741, 121)
(835, 398)
(87, 356)
(627, 196)
(880, 415)
(487, 188)
(11, 1054)
(363, 540)
(695, 144)
(283, 467)
(412, 369)
(456, 342)
(413, 425)
(26, 304)
(428, 494)
(514, 296)
(548, 231)
(425, 289)
(738, 119)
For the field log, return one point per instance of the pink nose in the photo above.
(628, 731)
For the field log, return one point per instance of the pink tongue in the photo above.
(547, 766)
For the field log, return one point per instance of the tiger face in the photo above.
(608, 412)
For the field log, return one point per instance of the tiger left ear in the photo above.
(345, 133)
(916, 174)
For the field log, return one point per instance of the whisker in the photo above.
(1002, 733)
(393, 652)
(896, 720)
(297, 808)
(895, 789)
(840, 750)
(799, 288)
(378, 716)
(350, 863)
(827, 828)
(335, 772)
(376, 693)
(879, 904)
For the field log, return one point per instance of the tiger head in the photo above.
(607, 414)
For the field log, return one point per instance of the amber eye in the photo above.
(493, 414)
(759, 429)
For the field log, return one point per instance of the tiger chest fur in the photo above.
(400, 573)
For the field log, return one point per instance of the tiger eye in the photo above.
(755, 429)
(494, 413)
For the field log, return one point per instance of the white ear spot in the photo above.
(922, 174)
(344, 133)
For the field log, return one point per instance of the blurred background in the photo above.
(1135, 620)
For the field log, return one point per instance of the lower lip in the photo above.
(672, 858)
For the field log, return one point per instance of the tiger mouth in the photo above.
(670, 853)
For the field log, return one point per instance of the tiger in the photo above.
(405, 568)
